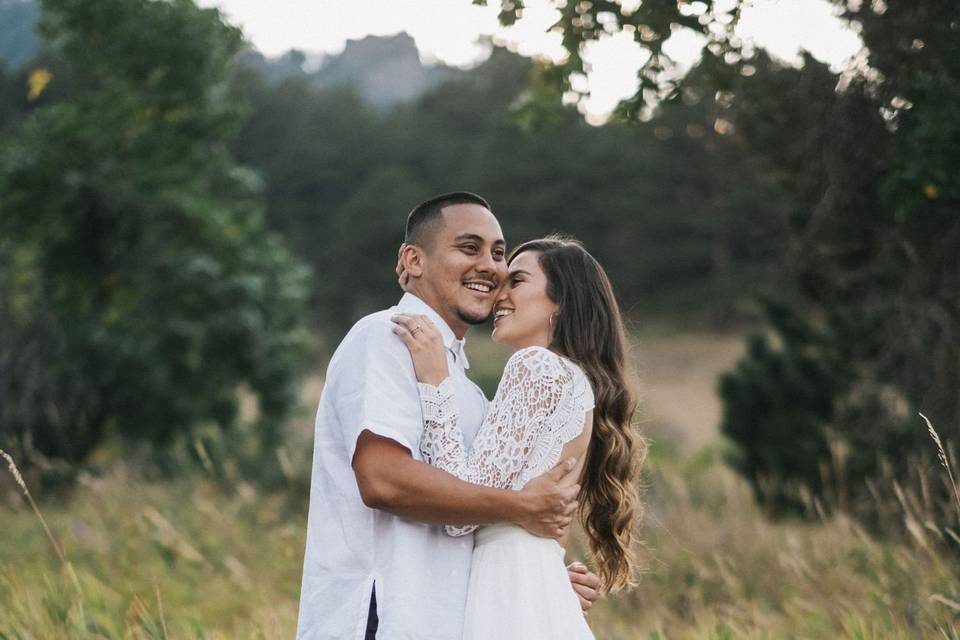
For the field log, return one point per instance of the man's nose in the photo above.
(487, 264)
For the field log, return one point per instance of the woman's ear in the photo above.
(410, 260)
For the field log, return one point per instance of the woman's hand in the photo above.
(585, 584)
(403, 278)
(426, 347)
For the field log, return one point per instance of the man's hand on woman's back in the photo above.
(550, 501)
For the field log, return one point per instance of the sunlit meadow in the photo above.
(211, 555)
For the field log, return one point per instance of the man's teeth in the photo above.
(483, 288)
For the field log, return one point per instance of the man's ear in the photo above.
(410, 260)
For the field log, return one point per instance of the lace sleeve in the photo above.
(529, 420)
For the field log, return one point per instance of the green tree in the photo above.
(340, 177)
(874, 254)
(11, 100)
(141, 287)
(367, 229)
(650, 24)
(870, 161)
(315, 150)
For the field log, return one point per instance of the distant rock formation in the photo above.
(18, 32)
(292, 63)
(385, 71)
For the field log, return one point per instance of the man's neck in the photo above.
(458, 326)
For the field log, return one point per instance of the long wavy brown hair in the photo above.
(588, 329)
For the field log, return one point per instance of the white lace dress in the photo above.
(519, 588)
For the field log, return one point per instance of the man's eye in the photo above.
(498, 255)
(472, 248)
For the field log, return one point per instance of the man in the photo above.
(377, 564)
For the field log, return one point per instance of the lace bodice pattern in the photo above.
(540, 405)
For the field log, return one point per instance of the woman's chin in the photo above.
(498, 336)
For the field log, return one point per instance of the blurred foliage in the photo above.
(140, 285)
(340, 177)
(875, 254)
(144, 279)
(870, 161)
(649, 25)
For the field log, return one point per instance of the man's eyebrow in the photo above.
(477, 238)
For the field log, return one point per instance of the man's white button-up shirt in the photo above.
(421, 574)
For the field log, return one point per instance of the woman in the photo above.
(563, 394)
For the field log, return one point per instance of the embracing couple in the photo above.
(437, 515)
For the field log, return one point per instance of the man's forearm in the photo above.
(427, 494)
(390, 479)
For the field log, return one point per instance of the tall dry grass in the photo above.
(209, 555)
(130, 558)
(718, 568)
(200, 558)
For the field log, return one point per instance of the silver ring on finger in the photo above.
(413, 331)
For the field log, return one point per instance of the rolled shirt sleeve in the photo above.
(379, 390)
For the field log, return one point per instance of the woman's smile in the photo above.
(500, 313)
(521, 316)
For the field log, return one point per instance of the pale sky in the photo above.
(451, 31)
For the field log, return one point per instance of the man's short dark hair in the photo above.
(426, 219)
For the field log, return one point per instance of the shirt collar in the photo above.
(412, 304)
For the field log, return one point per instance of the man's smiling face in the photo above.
(464, 265)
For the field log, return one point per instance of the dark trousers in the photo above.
(372, 621)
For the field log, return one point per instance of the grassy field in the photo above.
(215, 557)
